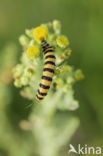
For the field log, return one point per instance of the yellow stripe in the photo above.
(49, 53)
(44, 44)
(47, 73)
(48, 49)
(49, 66)
(45, 82)
(43, 90)
(50, 59)
(41, 96)
(37, 99)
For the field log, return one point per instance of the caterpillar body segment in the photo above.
(48, 71)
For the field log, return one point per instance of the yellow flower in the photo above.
(40, 32)
(62, 41)
(33, 51)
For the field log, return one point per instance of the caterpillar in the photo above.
(48, 71)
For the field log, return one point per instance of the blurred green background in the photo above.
(82, 22)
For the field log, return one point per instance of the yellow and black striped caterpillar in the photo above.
(48, 71)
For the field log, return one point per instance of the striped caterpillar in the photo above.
(48, 71)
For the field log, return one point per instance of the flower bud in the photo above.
(62, 41)
(57, 26)
(66, 68)
(28, 72)
(24, 41)
(52, 37)
(18, 70)
(78, 74)
(29, 32)
(17, 83)
(57, 70)
(24, 80)
(59, 83)
(70, 80)
(68, 52)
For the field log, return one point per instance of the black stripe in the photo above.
(50, 47)
(50, 56)
(51, 50)
(45, 48)
(49, 69)
(50, 62)
(47, 78)
(39, 97)
(45, 45)
(44, 86)
(43, 94)
(43, 41)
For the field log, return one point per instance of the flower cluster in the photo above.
(27, 74)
